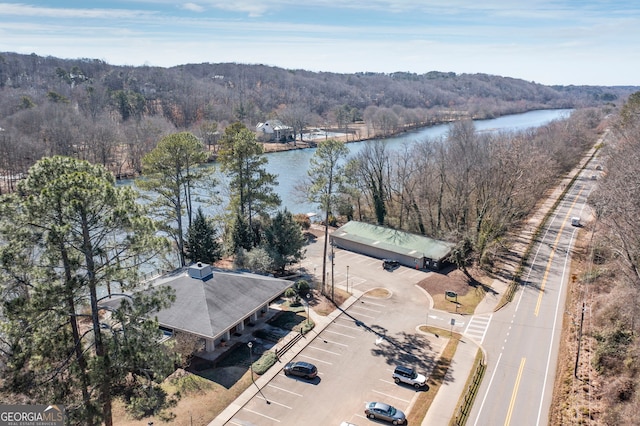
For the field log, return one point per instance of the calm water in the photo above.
(291, 166)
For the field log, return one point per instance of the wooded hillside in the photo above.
(113, 115)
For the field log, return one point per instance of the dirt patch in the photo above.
(380, 293)
(469, 289)
(452, 280)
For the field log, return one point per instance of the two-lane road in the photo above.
(522, 340)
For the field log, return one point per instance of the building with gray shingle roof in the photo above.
(214, 304)
(415, 251)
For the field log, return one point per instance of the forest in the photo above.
(114, 115)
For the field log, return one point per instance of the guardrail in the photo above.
(470, 395)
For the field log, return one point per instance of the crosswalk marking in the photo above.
(477, 327)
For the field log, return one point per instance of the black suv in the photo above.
(389, 264)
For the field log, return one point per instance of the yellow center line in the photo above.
(507, 421)
(553, 251)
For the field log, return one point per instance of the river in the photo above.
(291, 166)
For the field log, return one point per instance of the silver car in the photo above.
(382, 411)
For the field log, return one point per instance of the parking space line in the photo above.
(342, 325)
(339, 334)
(277, 403)
(391, 396)
(335, 343)
(368, 300)
(262, 415)
(360, 314)
(324, 350)
(387, 381)
(283, 389)
(316, 359)
(366, 309)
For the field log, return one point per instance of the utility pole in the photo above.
(575, 370)
(333, 256)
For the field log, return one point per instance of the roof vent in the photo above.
(200, 271)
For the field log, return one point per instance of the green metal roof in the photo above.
(394, 240)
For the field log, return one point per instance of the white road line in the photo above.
(335, 343)
(339, 334)
(316, 359)
(260, 414)
(366, 309)
(284, 390)
(342, 325)
(391, 396)
(362, 315)
(277, 403)
(324, 350)
(387, 381)
(368, 301)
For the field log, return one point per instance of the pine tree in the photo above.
(70, 235)
(202, 240)
(284, 240)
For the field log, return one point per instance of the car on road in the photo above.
(389, 264)
(382, 411)
(408, 375)
(301, 369)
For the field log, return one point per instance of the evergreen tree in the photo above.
(241, 159)
(202, 240)
(239, 236)
(68, 236)
(172, 173)
(284, 241)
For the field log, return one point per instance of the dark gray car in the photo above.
(301, 369)
(382, 411)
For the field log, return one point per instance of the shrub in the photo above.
(264, 362)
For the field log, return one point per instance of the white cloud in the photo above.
(21, 10)
(193, 7)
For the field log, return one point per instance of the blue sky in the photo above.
(594, 42)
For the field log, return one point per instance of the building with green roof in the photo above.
(415, 251)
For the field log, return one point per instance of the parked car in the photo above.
(389, 264)
(301, 369)
(408, 375)
(382, 411)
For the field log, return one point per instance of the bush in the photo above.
(265, 362)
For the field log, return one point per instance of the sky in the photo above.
(565, 42)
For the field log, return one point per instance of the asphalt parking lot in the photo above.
(356, 353)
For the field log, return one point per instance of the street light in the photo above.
(308, 298)
(250, 345)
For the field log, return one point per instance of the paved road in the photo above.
(522, 339)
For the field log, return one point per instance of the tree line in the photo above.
(607, 288)
(114, 115)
